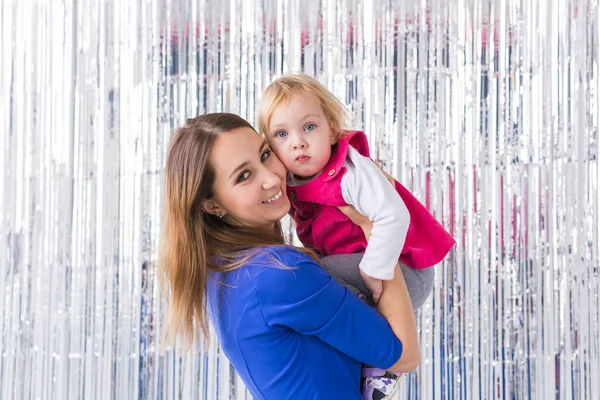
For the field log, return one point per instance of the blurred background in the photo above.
(486, 109)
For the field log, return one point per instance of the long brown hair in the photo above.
(193, 241)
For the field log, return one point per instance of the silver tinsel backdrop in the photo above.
(486, 109)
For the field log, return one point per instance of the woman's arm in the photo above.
(394, 305)
(306, 299)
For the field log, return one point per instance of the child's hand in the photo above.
(375, 286)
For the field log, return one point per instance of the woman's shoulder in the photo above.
(279, 254)
(272, 259)
(285, 275)
(282, 263)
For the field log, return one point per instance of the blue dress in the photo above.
(292, 332)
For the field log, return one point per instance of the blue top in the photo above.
(295, 333)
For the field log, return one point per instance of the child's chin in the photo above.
(306, 172)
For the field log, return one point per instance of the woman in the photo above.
(288, 328)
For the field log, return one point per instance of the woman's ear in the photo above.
(212, 207)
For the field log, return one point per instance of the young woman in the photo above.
(289, 329)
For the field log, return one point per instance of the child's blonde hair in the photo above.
(285, 87)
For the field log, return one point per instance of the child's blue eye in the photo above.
(310, 127)
(281, 134)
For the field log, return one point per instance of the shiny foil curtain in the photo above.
(486, 109)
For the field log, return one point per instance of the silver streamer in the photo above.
(487, 110)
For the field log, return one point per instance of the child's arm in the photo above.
(365, 187)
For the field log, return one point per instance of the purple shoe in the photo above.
(378, 384)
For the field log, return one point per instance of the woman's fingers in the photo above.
(388, 176)
(358, 219)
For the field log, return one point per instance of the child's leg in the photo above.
(344, 269)
(419, 283)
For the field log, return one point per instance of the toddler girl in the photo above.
(330, 167)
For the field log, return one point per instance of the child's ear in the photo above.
(333, 138)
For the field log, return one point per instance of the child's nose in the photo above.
(299, 143)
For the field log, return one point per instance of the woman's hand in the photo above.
(358, 219)
(388, 176)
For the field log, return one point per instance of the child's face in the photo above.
(300, 135)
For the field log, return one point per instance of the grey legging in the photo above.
(344, 269)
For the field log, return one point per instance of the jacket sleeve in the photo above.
(307, 300)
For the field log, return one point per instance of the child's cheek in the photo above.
(281, 156)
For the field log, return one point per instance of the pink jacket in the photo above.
(323, 227)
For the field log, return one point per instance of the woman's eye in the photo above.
(265, 155)
(281, 134)
(310, 127)
(243, 176)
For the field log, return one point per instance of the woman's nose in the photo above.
(270, 179)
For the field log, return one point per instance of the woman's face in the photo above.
(249, 179)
